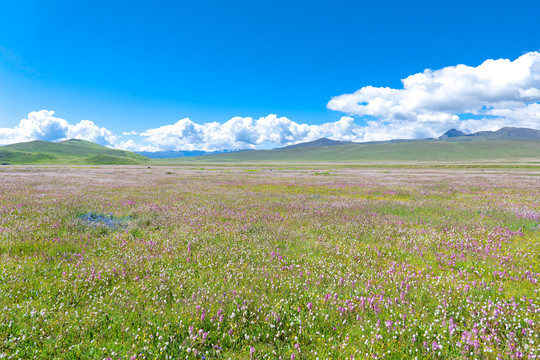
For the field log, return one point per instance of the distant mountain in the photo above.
(318, 142)
(170, 154)
(506, 145)
(452, 133)
(73, 151)
(439, 151)
(505, 133)
(508, 133)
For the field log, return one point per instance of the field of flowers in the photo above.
(170, 263)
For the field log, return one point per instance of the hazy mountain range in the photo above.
(506, 133)
(507, 143)
(171, 154)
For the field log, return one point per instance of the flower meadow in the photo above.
(260, 263)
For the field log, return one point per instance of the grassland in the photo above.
(66, 152)
(439, 152)
(248, 263)
(422, 153)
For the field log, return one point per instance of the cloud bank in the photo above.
(236, 133)
(245, 133)
(43, 125)
(495, 94)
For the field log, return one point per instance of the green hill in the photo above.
(403, 152)
(83, 152)
(72, 151)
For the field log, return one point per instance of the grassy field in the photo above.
(66, 152)
(427, 151)
(248, 263)
(432, 153)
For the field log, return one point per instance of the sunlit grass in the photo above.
(259, 264)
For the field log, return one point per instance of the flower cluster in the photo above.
(282, 264)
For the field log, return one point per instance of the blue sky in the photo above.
(126, 66)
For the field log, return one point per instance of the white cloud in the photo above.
(87, 130)
(245, 133)
(236, 133)
(180, 134)
(495, 94)
(131, 145)
(43, 125)
(504, 92)
(40, 125)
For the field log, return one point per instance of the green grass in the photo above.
(426, 151)
(478, 153)
(354, 264)
(66, 152)
(19, 157)
(110, 160)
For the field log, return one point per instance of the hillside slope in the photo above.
(318, 142)
(505, 133)
(424, 151)
(72, 151)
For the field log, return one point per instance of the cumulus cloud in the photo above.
(131, 145)
(236, 133)
(495, 94)
(87, 130)
(43, 125)
(500, 92)
(40, 125)
(245, 133)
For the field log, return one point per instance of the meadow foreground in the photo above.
(167, 263)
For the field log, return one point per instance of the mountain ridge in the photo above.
(443, 152)
(505, 133)
(508, 133)
(452, 133)
(507, 143)
(173, 154)
(319, 142)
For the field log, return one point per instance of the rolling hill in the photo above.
(505, 133)
(507, 145)
(171, 154)
(318, 142)
(72, 151)
(398, 152)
